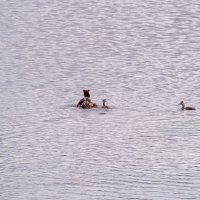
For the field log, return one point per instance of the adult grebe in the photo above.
(86, 94)
(86, 102)
(104, 104)
(186, 108)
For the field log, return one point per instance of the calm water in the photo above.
(143, 56)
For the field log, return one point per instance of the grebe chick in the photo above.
(104, 104)
(186, 108)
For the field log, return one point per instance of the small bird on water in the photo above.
(186, 108)
(104, 104)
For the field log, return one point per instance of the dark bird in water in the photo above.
(86, 102)
(186, 108)
(86, 99)
(104, 104)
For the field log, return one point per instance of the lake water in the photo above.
(142, 56)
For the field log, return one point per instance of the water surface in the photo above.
(143, 56)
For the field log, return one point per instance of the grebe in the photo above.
(86, 94)
(186, 108)
(104, 104)
(86, 102)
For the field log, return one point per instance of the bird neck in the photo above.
(183, 106)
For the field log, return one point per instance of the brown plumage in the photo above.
(86, 102)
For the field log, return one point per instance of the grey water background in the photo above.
(143, 56)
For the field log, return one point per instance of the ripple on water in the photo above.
(143, 57)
